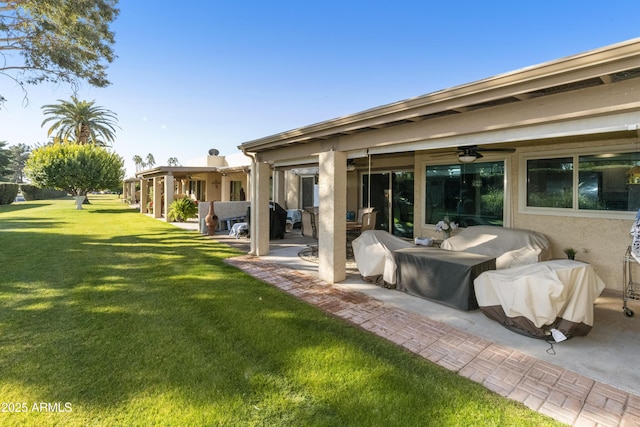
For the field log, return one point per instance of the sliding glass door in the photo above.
(391, 194)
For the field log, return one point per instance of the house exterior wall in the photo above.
(591, 100)
(600, 240)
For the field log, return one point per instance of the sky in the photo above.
(208, 74)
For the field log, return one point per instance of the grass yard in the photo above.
(109, 317)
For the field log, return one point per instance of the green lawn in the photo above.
(109, 317)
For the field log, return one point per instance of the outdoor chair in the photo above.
(368, 221)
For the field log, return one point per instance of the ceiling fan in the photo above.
(471, 153)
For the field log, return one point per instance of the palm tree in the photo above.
(150, 160)
(138, 162)
(81, 122)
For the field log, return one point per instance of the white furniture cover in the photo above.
(373, 252)
(511, 247)
(535, 299)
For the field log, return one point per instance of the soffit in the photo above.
(603, 66)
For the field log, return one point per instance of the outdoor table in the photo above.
(439, 275)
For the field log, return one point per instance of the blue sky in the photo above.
(215, 74)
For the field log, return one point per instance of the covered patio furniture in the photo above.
(442, 276)
(373, 252)
(511, 247)
(542, 299)
(294, 218)
(277, 220)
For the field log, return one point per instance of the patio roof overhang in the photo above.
(173, 170)
(594, 68)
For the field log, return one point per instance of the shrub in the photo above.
(181, 209)
(31, 192)
(8, 193)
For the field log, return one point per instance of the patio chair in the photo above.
(309, 223)
(369, 221)
(361, 213)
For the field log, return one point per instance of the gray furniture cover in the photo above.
(441, 276)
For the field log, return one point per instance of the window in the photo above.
(468, 193)
(550, 182)
(236, 191)
(600, 182)
(196, 189)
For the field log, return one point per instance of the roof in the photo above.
(601, 66)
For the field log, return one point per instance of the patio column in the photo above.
(132, 186)
(169, 192)
(225, 189)
(260, 208)
(144, 195)
(292, 190)
(332, 231)
(278, 188)
(157, 197)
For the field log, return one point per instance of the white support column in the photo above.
(292, 190)
(248, 186)
(278, 189)
(132, 190)
(332, 232)
(144, 195)
(169, 193)
(261, 173)
(157, 198)
(225, 188)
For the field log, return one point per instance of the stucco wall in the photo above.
(601, 242)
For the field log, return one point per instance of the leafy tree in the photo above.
(75, 168)
(81, 122)
(58, 40)
(5, 161)
(18, 157)
(173, 161)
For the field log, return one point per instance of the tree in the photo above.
(18, 156)
(173, 161)
(138, 162)
(58, 40)
(5, 161)
(150, 160)
(81, 122)
(77, 169)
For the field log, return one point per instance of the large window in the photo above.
(550, 182)
(594, 182)
(468, 193)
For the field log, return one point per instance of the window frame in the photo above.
(486, 158)
(574, 211)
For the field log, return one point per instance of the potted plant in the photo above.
(570, 252)
(182, 209)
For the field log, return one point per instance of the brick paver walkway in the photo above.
(559, 393)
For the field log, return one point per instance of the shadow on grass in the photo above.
(21, 206)
(157, 322)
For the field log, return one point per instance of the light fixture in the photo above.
(467, 157)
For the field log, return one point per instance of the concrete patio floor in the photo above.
(592, 380)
